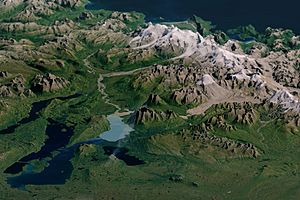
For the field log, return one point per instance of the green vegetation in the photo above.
(9, 13)
(130, 92)
(285, 36)
(271, 37)
(184, 25)
(246, 46)
(26, 139)
(96, 126)
(169, 155)
(244, 32)
(177, 164)
(196, 24)
(15, 112)
(203, 27)
(128, 98)
(111, 58)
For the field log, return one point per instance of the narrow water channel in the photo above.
(34, 113)
(58, 137)
(60, 168)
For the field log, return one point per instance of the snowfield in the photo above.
(192, 45)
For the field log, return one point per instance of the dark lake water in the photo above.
(59, 167)
(223, 13)
(58, 137)
(121, 153)
(34, 113)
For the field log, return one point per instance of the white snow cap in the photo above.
(206, 80)
(241, 75)
(286, 99)
(190, 44)
(163, 36)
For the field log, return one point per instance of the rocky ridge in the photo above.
(48, 83)
(227, 67)
(145, 115)
(231, 146)
(14, 87)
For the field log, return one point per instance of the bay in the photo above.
(225, 14)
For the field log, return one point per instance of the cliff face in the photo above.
(147, 115)
(202, 104)
(213, 71)
(48, 83)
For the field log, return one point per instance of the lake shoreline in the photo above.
(237, 14)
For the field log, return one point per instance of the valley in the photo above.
(99, 104)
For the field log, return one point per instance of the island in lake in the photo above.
(101, 104)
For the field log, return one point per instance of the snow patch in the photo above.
(206, 80)
(286, 100)
(191, 44)
(163, 36)
(241, 75)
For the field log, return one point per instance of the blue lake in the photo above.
(223, 13)
(59, 167)
(118, 129)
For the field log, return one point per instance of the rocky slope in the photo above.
(54, 46)
(145, 115)
(208, 111)
(213, 72)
